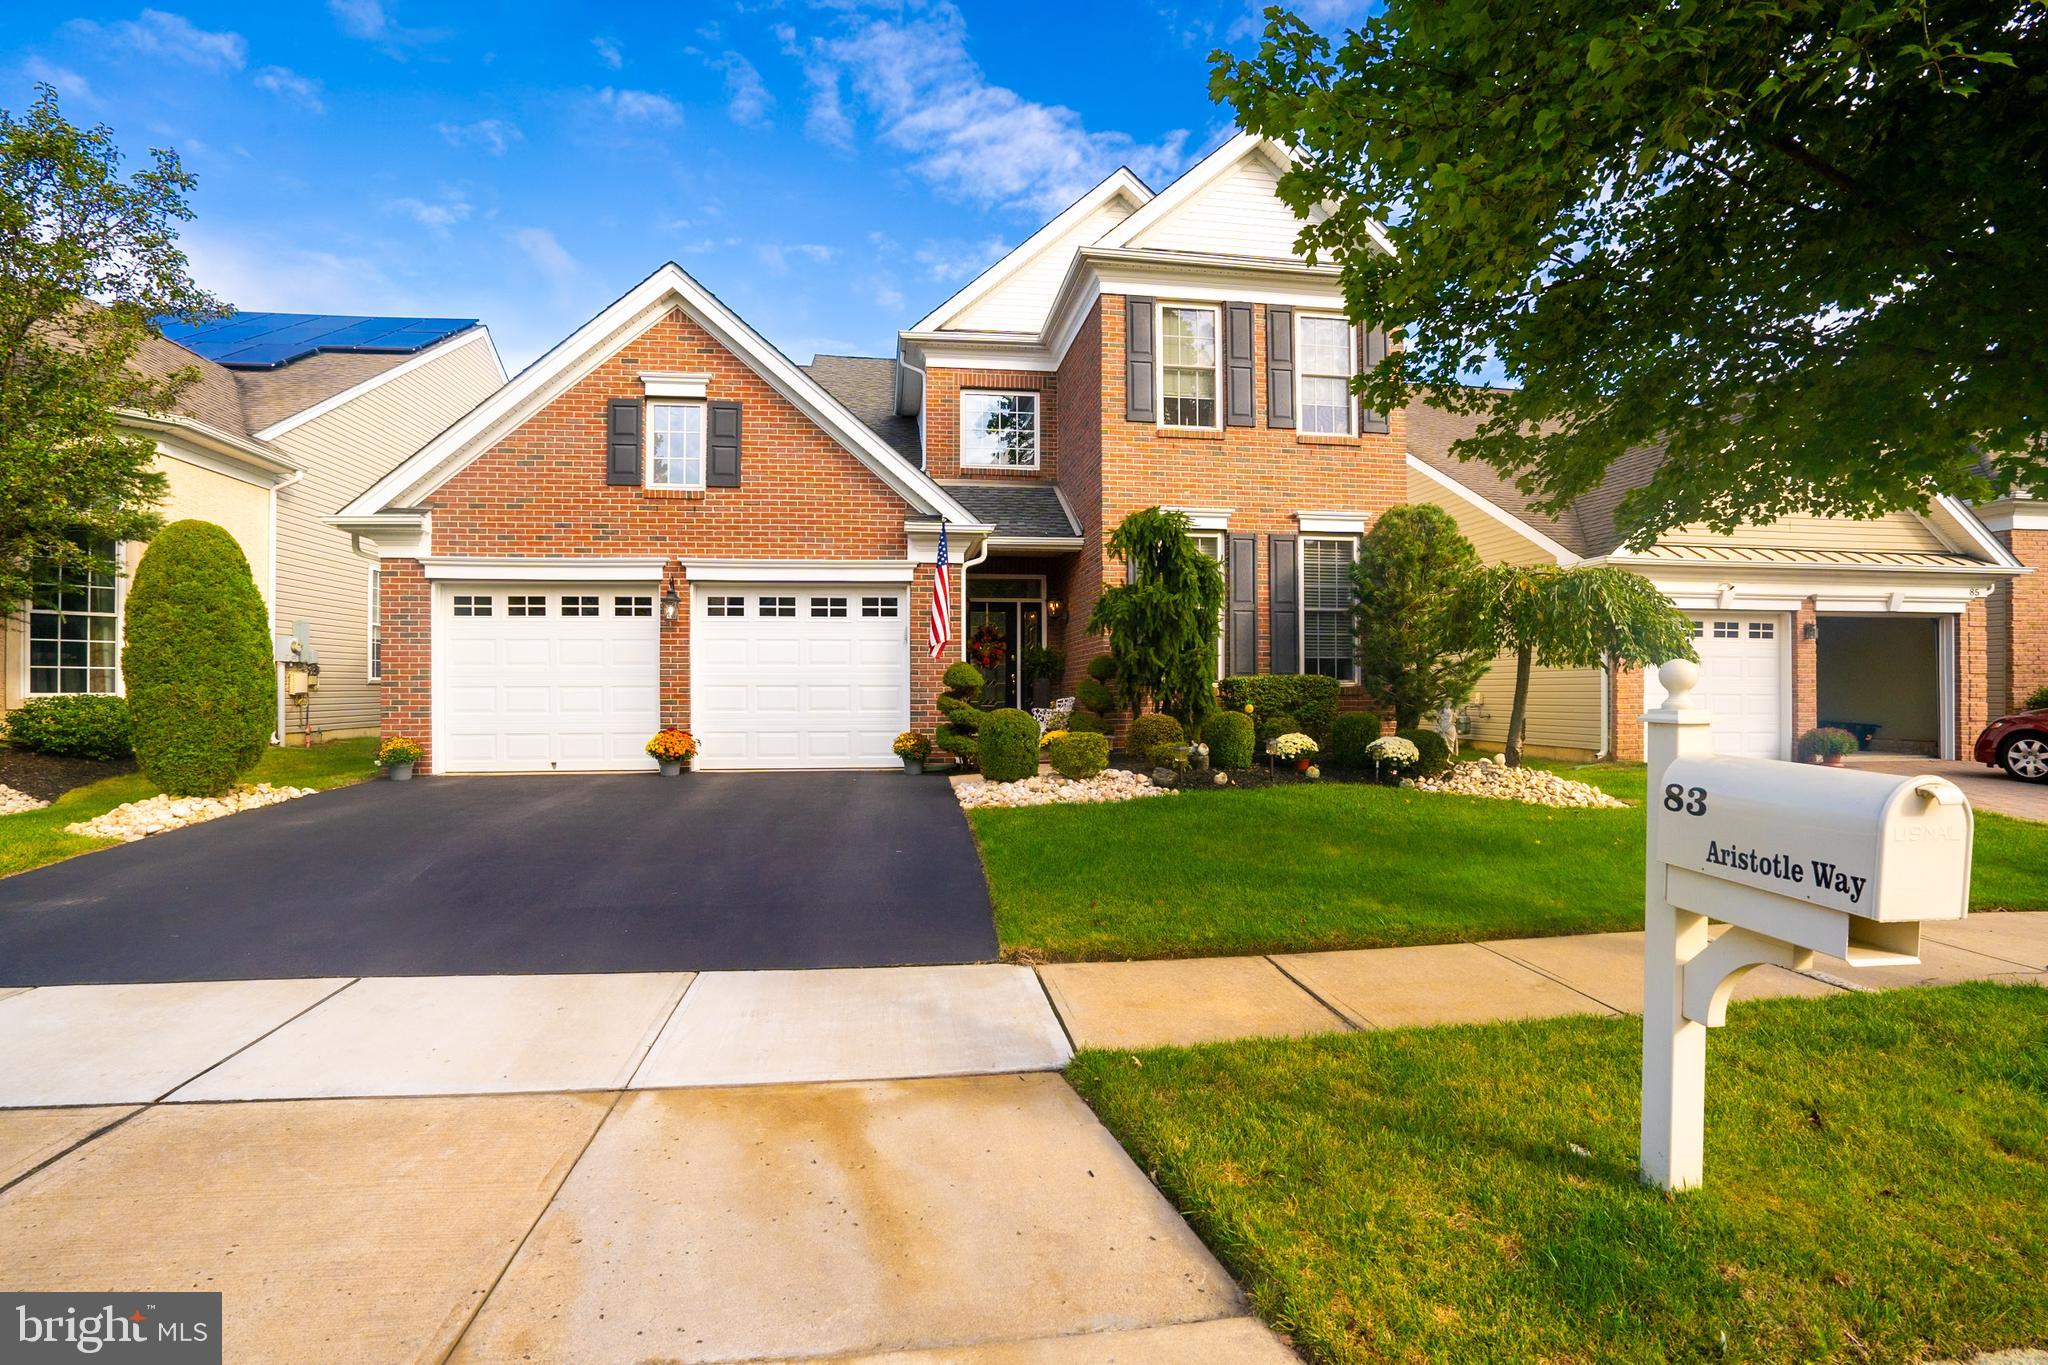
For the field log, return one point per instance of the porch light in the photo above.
(1056, 609)
(1810, 631)
(670, 602)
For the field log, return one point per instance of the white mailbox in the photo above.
(1753, 862)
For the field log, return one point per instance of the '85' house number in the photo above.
(1691, 800)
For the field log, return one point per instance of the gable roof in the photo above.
(866, 384)
(669, 287)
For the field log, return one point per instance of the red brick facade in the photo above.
(2016, 619)
(942, 421)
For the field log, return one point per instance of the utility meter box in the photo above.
(1879, 849)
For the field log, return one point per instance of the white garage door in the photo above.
(545, 677)
(799, 675)
(1742, 680)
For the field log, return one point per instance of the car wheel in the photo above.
(2026, 757)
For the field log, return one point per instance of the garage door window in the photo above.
(579, 605)
(877, 606)
(828, 606)
(516, 605)
(725, 606)
(470, 604)
(1762, 630)
(1727, 630)
(777, 606)
(632, 606)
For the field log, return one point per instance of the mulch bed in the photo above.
(47, 777)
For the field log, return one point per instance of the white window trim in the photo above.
(372, 670)
(1221, 536)
(1215, 310)
(1037, 427)
(703, 455)
(1350, 372)
(694, 386)
(26, 673)
(1301, 544)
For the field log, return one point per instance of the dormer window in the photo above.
(998, 430)
(1324, 370)
(1188, 356)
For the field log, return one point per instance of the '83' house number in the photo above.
(1691, 800)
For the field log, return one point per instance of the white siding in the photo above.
(1238, 215)
(1803, 531)
(320, 579)
(1021, 302)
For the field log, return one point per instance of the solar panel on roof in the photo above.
(264, 341)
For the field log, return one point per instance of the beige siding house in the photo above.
(1878, 625)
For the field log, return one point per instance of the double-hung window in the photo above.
(675, 445)
(1324, 371)
(1187, 365)
(1213, 545)
(73, 629)
(1327, 645)
(998, 430)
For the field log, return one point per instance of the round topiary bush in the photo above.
(1151, 732)
(1087, 721)
(1434, 754)
(1102, 668)
(1231, 740)
(1278, 724)
(71, 727)
(963, 680)
(197, 662)
(1079, 756)
(1009, 745)
(1349, 735)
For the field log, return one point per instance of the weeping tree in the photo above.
(1574, 618)
(1421, 642)
(1163, 621)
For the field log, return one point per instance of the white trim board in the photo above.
(892, 571)
(514, 569)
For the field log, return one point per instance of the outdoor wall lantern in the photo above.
(1056, 609)
(1810, 631)
(670, 602)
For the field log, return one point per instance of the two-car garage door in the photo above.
(567, 677)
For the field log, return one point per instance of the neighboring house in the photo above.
(1885, 622)
(665, 521)
(289, 413)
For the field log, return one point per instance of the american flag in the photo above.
(942, 597)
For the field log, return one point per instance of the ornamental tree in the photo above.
(1163, 621)
(1421, 642)
(1800, 243)
(1574, 618)
(86, 260)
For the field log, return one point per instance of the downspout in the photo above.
(965, 565)
(1606, 706)
(277, 737)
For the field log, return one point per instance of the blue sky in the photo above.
(832, 170)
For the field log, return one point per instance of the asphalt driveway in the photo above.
(482, 875)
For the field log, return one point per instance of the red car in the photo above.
(2019, 744)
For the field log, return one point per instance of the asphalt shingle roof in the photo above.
(1016, 509)
(866, 384)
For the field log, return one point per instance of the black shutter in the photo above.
(722, 467)
(1279, 366)
(1240, 404)
(1241, 646)
(622, 441)
(1139, 402)
(1372, 349)
(1286, 605)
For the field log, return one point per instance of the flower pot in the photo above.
(913, 766)
(400, 772)
(1301, 765)
(670, 767)
(1831, 760)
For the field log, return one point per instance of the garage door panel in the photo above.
(778, 653)
(581, 654)
(827, 699)
(1742, 681)
(524, 701)
(472, 653)
(784, 700)
(831, 653)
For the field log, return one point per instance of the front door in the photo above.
(993, 636)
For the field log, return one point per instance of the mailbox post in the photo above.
(1753, 862)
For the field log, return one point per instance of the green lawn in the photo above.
(1342, 865)
(37, 837)
(1876, 1172)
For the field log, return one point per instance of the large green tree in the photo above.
(1163, 622)
(87, 258)
(1799, 240)
(1580, 617)
(1421, 645)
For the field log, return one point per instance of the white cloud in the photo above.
(494, 135)
(67, 83)
(825, 120)
(451, 209)
(370, 21)
(547, 255)
(775, 256)
(747, 100)
(289, 85)
(952, 260)
(880, 290)
(608, 53)
(640, 106)
(1317, 14)
(968, 137)
(173, 37)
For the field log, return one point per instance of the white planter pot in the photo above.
(400, 772)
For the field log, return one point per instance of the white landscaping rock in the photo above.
(1533, 786)
(14, 802)
(156, 814)
(1111, 784)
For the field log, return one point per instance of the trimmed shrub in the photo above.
(1231, 740)
(1435, 757)
(1826, 742)
(201, 693)
(963, 718)
(1309, 697)
(1271, 727)
(1096, 697)
(963, 679)
(1079, 756)
(1150, 732)
(1009, 745)
(1086, 722)
(72, 727)
(1102, 668)
(2038, 701)
(1348, 738)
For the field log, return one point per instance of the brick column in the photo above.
(2019, 616)
(1805, 670)
(1973, 684)
(926, 673)
(405, 624)
(1624, 715)
(675, 649)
